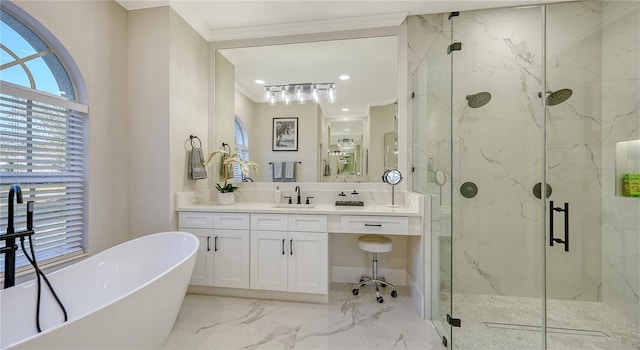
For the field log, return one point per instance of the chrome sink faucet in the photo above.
(299, 201)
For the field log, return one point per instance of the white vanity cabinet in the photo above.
(231, 250)
(289, 252)
(223, 256)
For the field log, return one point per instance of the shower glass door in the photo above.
(592, 112)
(431, 131)
(497, 159)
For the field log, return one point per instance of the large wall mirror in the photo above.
(340, 106)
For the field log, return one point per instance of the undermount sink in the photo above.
(295, 206)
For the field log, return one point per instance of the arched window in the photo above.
(241, 146)
(43, 132)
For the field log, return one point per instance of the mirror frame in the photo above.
(215, 138)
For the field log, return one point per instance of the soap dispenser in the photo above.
(278, 195)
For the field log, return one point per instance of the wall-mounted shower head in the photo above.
(478, 100)
(557, 97)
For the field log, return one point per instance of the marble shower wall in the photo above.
(496, 237)
(620, 122)
(592, 49)
(574, 161)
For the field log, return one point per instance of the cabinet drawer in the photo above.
(269, 222)
(308, 223)
(375, 224)
(196, 220)
(231, 221)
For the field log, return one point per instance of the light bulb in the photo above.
(331, 93)
(299, 94)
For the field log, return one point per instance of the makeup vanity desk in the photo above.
(270, 251)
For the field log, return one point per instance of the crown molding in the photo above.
(309, 27)
(131, 5)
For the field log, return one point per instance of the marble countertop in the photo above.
(326, 209)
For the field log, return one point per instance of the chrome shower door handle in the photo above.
(552, 239)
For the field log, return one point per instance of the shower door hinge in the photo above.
(453, 321)
(454, 14)
(454, 47)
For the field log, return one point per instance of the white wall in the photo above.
(381, 121)
(222, 127)
(188, 106)
(168, 89)
(148, 122)
(245, 109)
(261, 150)
(95, 34)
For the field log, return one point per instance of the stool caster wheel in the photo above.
(361, 279)
(355, 291)
(383, 285)
(394, 294)
(380, 300)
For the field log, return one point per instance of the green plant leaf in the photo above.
(226, 188)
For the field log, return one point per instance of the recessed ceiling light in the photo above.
(258, 81)
(346, 129)
(345, 109)
(344, 77)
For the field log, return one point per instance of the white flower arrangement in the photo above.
(229, 159)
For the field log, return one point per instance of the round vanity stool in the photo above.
(375, 244)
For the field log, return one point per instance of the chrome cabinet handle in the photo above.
(283, 246)
(215, 244)
(373, 225)
(208, 243)
(291, 246)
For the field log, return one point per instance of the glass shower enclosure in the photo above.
(531, 117)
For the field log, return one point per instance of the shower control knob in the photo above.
(468, 190)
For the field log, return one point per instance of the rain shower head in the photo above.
(557, 97)
(478, 100)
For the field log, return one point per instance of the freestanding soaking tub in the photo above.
(126, 297)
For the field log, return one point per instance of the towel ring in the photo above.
(191, 137)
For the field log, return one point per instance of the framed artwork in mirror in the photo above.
(285, 134)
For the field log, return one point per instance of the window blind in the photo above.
(243, 155)
(43, 149)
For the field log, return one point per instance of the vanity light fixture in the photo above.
(345, 143)
(301, 92)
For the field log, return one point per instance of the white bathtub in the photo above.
(126, 297)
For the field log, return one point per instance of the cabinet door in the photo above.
(308, 262)
(203, 270)
(231, 258)
(268, 260)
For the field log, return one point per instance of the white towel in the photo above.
(277, 170)
(289, 170)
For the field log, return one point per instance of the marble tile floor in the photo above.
(346, 322)
(495, 322)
